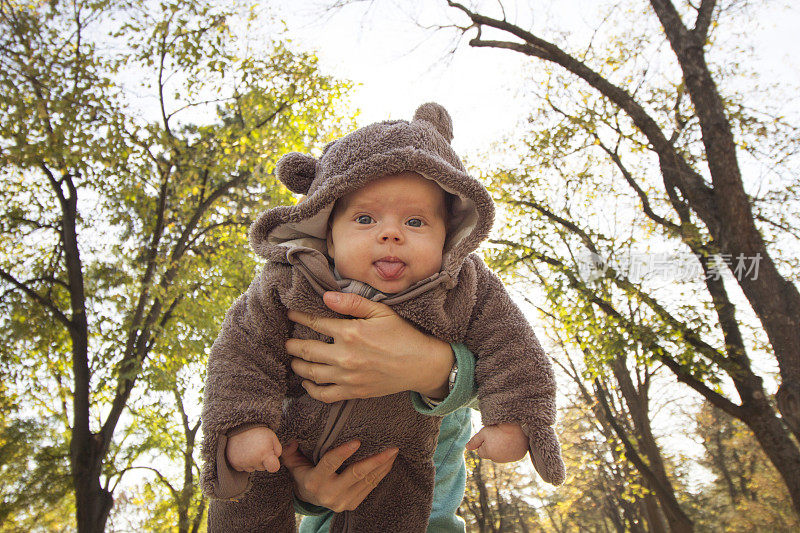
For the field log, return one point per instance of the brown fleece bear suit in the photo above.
(249, 381)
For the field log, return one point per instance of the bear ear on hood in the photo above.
(438, 116)
(296, 171)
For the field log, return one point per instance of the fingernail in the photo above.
(334, 297)
(353, 445)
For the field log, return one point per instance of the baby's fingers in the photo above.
(476, 441)
(270, 459)
(271, 463)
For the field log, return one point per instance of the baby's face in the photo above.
(390, 233)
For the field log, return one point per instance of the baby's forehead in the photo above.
(402, 190)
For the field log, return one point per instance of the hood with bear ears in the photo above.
(347, 164)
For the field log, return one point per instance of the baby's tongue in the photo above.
(389, 269)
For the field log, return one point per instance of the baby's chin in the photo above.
(394, 286)
(391, 286)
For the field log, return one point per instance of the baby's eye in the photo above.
(414, 223)
(364, 219)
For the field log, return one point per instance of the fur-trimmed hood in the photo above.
(347, 164)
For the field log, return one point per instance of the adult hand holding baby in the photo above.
(375, 354)
(321, 485)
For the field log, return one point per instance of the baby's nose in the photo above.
(391, 233)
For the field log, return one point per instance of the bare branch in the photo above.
(197, 104)
(614, 155)
(210, 227)
(159, 475)
(183, 240)
(680, 122)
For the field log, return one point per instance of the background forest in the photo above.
(649, 222)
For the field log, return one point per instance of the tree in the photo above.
(166, 420)
(746, 493)
(24, 488)
(111, 217)
(495, 498)
(616, 412)
(617, 118)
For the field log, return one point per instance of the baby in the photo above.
(389, 234)
(392, 216)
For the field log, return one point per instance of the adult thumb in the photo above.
(292, 458)
(354, 305)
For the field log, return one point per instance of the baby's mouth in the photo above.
(389, 267)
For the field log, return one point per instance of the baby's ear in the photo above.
(438, 116)
(296, 171)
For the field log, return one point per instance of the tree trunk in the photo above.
(636, 401)
(485, 519)
(775, 300)
(198, 518)
(183, 520)
(716, 450)
(678, 520)
(523, 524)
(613, 515)
(655, 518)
(777, 444)
(93, 503)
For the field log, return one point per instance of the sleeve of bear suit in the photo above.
(245, 381)
(515, 380)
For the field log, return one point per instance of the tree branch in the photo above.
(631, 453)
(671, 163)
(645, 335)
(733, 368)
(670, 226)
(704, 17)
(45, 302)
(159, 475)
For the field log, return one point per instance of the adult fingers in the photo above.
(327, 393)
(333, 459)
(366, 485)
(317, 373)
(293, 459)
(371, 470)
(354, 305)
(325, 325)
(310, 350)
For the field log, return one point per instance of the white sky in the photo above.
(400, 65)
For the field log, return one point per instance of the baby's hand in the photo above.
(254, 449)
(501, 443)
